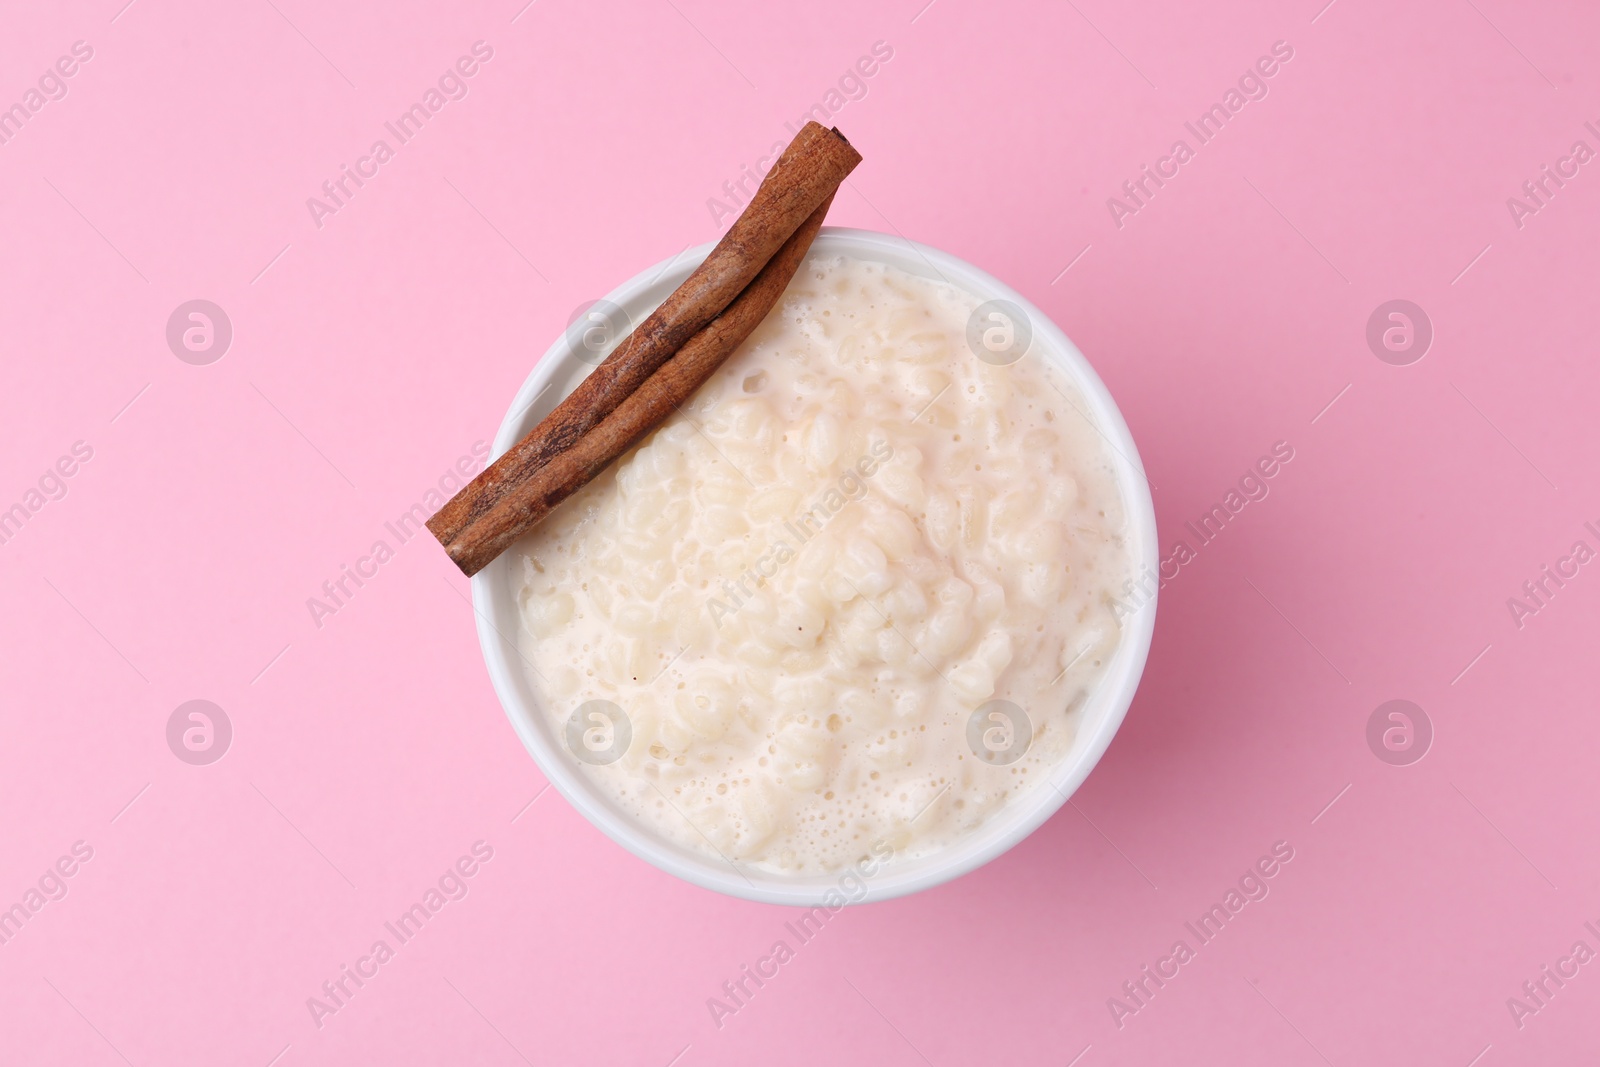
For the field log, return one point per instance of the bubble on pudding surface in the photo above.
(804, 585)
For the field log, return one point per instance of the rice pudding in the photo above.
(852, 594)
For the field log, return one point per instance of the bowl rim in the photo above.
(494, 604)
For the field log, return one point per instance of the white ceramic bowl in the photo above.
(1099, 717)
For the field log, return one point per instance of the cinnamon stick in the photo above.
(656, 398)
(806, 175)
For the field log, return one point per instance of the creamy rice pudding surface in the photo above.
(801, 587)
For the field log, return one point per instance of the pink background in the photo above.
(368, 354)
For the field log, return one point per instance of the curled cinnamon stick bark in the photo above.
(806, 175)
(656, 398)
